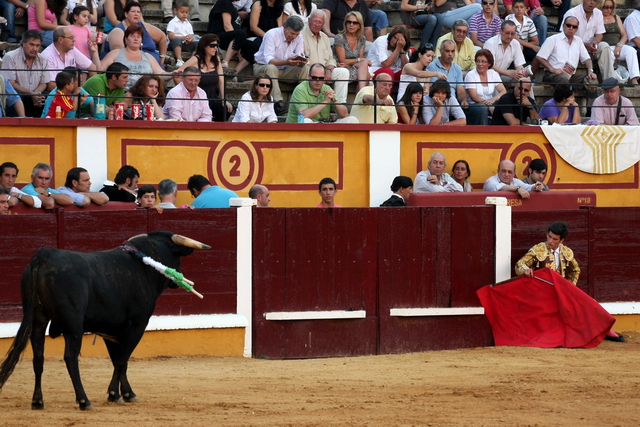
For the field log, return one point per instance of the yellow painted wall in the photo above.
(483, 151)
(291, 163)
(284, 159)
(213, 342)
(28, 145)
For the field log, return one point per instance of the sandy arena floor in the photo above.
(505, 386)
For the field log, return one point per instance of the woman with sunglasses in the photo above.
(616, 36)
(416, 69)
(256, 106)
(409, 107)
(212, 77)
(484, 87)
(349, 46)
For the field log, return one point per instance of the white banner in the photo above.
(596, 149)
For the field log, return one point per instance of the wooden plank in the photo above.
(472, 257)
(24, 235)
(414, 334)
(444, 254)
(90, 231)
(269, 280)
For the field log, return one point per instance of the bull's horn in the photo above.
(135, 237)
(190, 243)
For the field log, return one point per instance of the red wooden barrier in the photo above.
(314, 260)
(544, 201)
(213, 271)
(21, 208)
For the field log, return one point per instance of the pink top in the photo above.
(319, 205)
(32, 21)
(83, 34)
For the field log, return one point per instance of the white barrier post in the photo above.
(244, 297)
(503, 238)
(91, 148)
(384, 164)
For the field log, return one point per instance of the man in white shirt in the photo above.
(281, 56)
(506, 50)
(505, 180)
(632, 26)
(435, 179)
(591, 30)
(317, 47)
(561, 53)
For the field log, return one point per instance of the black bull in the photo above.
(110, 293)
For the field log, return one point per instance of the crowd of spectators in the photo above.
(483, 69)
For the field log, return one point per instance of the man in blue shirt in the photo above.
(444, 64)
(9, 98)
(207, 195)
(39, 187)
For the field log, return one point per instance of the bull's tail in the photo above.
(29, 278)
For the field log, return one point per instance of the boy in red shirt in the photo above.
(67, 95)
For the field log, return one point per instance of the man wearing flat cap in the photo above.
(537, 172)
(402, 188)
(611, 108)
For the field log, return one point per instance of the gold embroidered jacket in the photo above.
(541, 256)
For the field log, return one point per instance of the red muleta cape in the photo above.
(529, 312)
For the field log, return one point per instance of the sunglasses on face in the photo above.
(428, 46)
(353, 23)
(213, 45)
(575, 27)
(608, 7)
(487, 3)
(316, 77)
(267, 85)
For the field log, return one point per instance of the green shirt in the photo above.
(98, 84)
(303, 97)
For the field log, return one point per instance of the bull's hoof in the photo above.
(37, 405)
(131, 398)
(114, 397)
(85, 405)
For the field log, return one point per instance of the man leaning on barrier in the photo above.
(505, 180)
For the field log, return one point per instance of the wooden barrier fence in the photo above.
(342, 282)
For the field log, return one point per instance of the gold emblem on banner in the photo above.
(603, 141)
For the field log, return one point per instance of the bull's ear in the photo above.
(190, 243)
